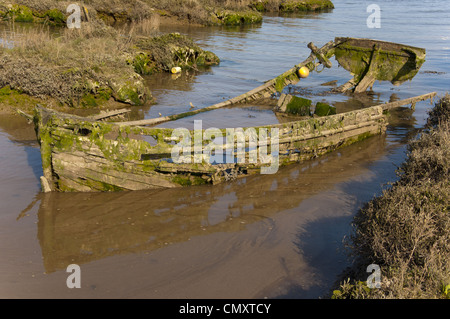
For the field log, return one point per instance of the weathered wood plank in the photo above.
(411, 100)
(75, 165)
(320, 55)
(370, 77)
(105, 115)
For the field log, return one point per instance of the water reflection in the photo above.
(18, 130)
(80, 228)
(184, 81)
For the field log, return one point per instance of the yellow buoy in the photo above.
(303, 72)
(176, 69)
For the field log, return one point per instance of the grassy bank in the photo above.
(92, 66)
(406, 230)
(98, 64)
(205, 12)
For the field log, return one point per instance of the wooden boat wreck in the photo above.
(87, 154)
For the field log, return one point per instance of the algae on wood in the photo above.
(324, 109)
(378, 60)
(79, 154)
(294, 105)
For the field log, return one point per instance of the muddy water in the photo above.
(275, 236)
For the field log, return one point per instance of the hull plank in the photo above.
(83, 155)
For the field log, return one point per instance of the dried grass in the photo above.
(64, 65)
(406, 230)
(96, 61)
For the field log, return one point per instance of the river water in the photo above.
(274, 236)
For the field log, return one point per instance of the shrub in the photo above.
(406, 230)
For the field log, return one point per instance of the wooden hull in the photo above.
(84, 155)
(385, 61)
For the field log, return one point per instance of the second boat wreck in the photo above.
(87, 154)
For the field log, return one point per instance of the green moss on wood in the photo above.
(126, 154)
(284, 79)
(388, 65)
(323, 109)
(110, 188)
(299, 106)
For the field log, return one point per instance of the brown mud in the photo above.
(244, 239)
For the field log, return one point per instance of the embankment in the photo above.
(90, 67)
(205, 12)
(406, 230)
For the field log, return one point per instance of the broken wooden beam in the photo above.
(411, 100)
(344, 87)
(25, 115)
(369, 77)
(103, 115)
(45, 185)
(320, 55)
